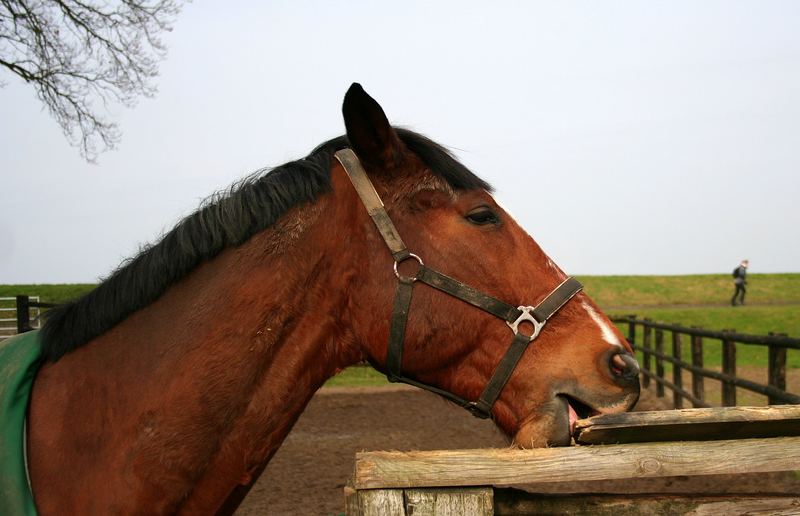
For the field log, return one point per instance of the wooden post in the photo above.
(475, 501)
(677, 371)
(631, 329)
(647, 332)
(777, 368)
(697, 360)
(378, 502)
(729, 368)
(659, 363)
(23, 314)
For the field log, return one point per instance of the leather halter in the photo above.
(537, 315)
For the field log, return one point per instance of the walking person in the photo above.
(739, 281)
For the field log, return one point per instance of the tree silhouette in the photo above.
(82, 55)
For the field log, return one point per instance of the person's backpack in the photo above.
(736, 272)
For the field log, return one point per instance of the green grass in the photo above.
(702, 289)
(358, 376)
(47, 293)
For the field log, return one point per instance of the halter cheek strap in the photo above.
(513, 316)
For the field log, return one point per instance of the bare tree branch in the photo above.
(81, 55)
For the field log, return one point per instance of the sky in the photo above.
(625, 137)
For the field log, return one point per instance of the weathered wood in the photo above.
(647, 332)
(377, 502)
(698, 390)
(677, 379)
(659, 362)
(776, 370)
(477, 501)
(696, 424)
(509, 467)
(510, 502)
(728, 368)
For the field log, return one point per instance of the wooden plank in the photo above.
(378, 502)
(510, 502)
(696, 424)
(510, 467)
(477, 501)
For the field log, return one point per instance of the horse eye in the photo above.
(483, 216)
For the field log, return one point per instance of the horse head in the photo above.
(578, 364)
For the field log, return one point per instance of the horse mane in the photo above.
(225, 219)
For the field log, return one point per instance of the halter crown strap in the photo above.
(513, 316)
(373, 203)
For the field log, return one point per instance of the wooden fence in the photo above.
(652, 344)
(26, 313)
(731, 461)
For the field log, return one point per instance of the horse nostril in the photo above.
(624, 366)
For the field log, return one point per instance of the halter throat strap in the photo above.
(513, 316)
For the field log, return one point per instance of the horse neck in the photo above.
(211, 378)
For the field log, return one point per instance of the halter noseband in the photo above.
(537, 315)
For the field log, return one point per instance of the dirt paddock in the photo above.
(307, 474)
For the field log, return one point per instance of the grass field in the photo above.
(618, 292)
(693, 300)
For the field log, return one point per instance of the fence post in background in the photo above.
(729, 368)
(659, 362)
(647, 332)
(631, 329)
(697, 360)
(677, 371)
(23, 314)
(777, 368)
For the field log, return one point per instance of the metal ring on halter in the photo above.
(397, 262)
(526, 316)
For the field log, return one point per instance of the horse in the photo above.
(168, 388)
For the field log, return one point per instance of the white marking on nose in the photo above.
(608, 334)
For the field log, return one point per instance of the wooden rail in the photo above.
(653, 351)
(737, 460)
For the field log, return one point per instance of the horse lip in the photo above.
(581, 407)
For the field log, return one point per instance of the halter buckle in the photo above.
(526, 316)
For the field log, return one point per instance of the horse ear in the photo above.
(371, 137)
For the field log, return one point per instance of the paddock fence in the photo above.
(20, 314)
(650, 341)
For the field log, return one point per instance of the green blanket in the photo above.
(19, 360)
